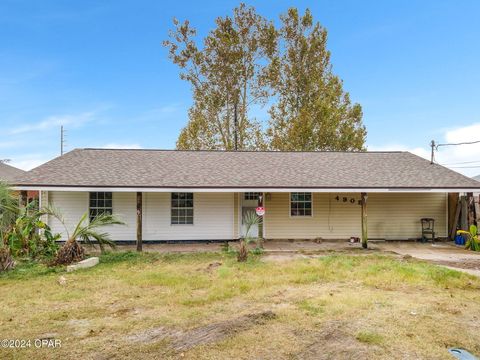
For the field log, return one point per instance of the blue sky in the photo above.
(98, 67)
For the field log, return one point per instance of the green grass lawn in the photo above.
(208, 306)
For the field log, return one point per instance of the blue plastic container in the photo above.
(459, 240)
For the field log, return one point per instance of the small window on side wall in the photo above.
(100, 203)
(182, 209)
(301, 204)
(251, 196)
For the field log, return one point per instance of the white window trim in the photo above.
(193, 208)
(290, 206)
(88, 202)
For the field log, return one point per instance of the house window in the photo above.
(100, 203)
(251, 196)
(182, 208)
(301, 204)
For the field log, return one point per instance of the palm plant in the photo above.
(31, 235)
(250, 219)
(472, 243)
(8, 209)
(88, 232)
(8, 215)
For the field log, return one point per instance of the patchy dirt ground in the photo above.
(180, 340)
(375, 305)
(441, 253)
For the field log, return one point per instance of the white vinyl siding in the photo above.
(397, 216)
(125, 208)
(390, 216)
(214, 214)
(217, 215)
(72, 205)
(331, 219)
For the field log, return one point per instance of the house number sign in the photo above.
(346, 199)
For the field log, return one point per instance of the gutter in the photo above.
(246, 189)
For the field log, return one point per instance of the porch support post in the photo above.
(472, 216)
(260, 225)
(23, 199)
(453, 213)
(139, 221)
(464, 214)
(364, 220)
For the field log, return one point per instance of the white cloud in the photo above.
(29, 161)
(9, 144)
(121, 146)
(74, 120)
(464, 159)
(463, 134)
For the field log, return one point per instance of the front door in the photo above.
(249, 203)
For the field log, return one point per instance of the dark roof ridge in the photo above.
(254, 151)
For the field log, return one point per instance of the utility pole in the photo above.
(235, 131)
(432, 144)
(62, 139)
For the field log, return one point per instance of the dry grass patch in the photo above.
(338, 306)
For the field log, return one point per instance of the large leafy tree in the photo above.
(312, 111)
(227, 72)
(244, 62)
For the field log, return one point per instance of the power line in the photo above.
(435, 146)
(456, 144)
(460, 163)
(464, 167)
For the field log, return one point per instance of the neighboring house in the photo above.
(201, 195)
(9, 173)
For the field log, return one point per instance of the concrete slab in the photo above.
(84, 264)
(446, 254)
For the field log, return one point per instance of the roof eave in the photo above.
(88, 188)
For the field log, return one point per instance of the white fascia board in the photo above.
(228, 190)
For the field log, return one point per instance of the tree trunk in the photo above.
(364, 221)
(139, 221)
(70, 252)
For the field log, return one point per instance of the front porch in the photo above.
(217, 215)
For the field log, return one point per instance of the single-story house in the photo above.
(165, 195)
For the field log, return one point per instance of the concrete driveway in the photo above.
(447, 254)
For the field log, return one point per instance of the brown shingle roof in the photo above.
(206, 169)
(9, 173)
